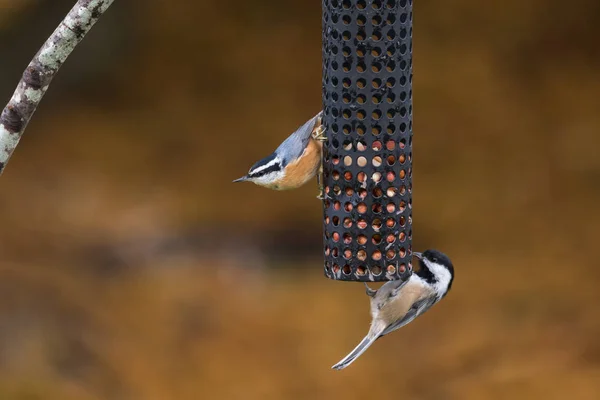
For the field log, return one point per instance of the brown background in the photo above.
(132, 268)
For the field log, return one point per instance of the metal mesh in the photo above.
(367, 99)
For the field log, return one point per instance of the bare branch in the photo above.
(41, 70)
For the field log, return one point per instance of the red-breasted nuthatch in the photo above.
(397, 303)
(297, 160)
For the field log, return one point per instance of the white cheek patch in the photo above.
(442, 275)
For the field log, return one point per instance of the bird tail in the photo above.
(377, 327)
(354, 354)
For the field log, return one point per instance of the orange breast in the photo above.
(304, 168)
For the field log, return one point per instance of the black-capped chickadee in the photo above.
(297, 160)
(398, 303)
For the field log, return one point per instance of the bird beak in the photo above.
(418, 255)
(242, 179)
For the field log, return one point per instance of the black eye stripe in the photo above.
(264, 161)
(272, 168)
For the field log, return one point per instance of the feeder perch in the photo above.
(367, 158)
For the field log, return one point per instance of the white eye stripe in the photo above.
(271, 163)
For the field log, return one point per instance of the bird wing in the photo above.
(417, 309)
(296, 143)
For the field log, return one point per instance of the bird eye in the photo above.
(434, 259)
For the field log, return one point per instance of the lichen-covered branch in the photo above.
(41, 70)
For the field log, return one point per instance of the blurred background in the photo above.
(132, 268)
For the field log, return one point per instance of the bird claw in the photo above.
(370, 292)
(319, 134)
(322, 195)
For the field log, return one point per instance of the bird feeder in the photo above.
(367, 158)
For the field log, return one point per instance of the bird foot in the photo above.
(320, 178)
(321, 195)
(319, 134)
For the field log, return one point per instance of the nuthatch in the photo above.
(297, 160)
(398, 303)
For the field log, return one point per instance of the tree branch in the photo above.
(41, 70)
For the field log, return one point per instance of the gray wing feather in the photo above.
(294, 145)
(390, 288)
(401, 284)
(417, 309)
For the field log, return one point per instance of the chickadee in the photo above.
(297, 160)
(398, 303)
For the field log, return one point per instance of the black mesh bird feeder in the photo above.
(367, 158)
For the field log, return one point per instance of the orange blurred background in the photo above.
(132, 268)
